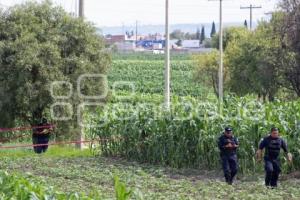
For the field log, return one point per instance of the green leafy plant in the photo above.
(121, 191)
(18, 187)
(187, 136)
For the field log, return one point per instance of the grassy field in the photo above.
(168, 139)
(69, 170)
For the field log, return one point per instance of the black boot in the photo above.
(274, 179)
(268, 178)
(228, 178)
(233, 173)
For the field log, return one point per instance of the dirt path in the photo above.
(86, 174)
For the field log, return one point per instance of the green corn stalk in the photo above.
(191, 142)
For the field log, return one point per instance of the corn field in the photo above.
(14, 186)
(187, 136)
(147, 76)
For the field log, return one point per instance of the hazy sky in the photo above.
(126, 12)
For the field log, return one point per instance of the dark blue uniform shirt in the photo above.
(273, 146)
(37, 133)
(223, 141)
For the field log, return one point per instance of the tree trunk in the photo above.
(80, 138)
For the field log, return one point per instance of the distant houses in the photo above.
(151, 44)
(112, 39)
(154, 43)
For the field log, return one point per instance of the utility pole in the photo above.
(167, 59)
(221, 66)
(80, 145)
(251, 7)
(136, 33)
(76, 9)
(81, 8)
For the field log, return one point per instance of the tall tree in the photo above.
(230, 33)
(177, 34)
(213, 30)
(198, 34)
(40, 44)
(246, 23)
(202, 38)
(206, 71)
(289, 31)
(189, 36)
(251, 65)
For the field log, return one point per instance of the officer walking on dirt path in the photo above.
(228, 145)
(272, 144)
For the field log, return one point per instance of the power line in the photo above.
(136, 33)
(251, 7)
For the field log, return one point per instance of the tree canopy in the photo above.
(265, 61)
(40, 44)
(202, 36)
(213, 30)
(206, 71)
(230, 34)
(251, 65)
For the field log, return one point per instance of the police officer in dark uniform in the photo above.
(41, 135)
(272, 144)
(228, 145)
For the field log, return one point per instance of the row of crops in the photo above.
(149, 56)
(147, 76)
(17, 187)
(14, 186)
(137, 127)
(187, 136)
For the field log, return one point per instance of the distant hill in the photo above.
(146, 29)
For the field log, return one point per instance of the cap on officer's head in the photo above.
(274, 129)
(228, 129)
